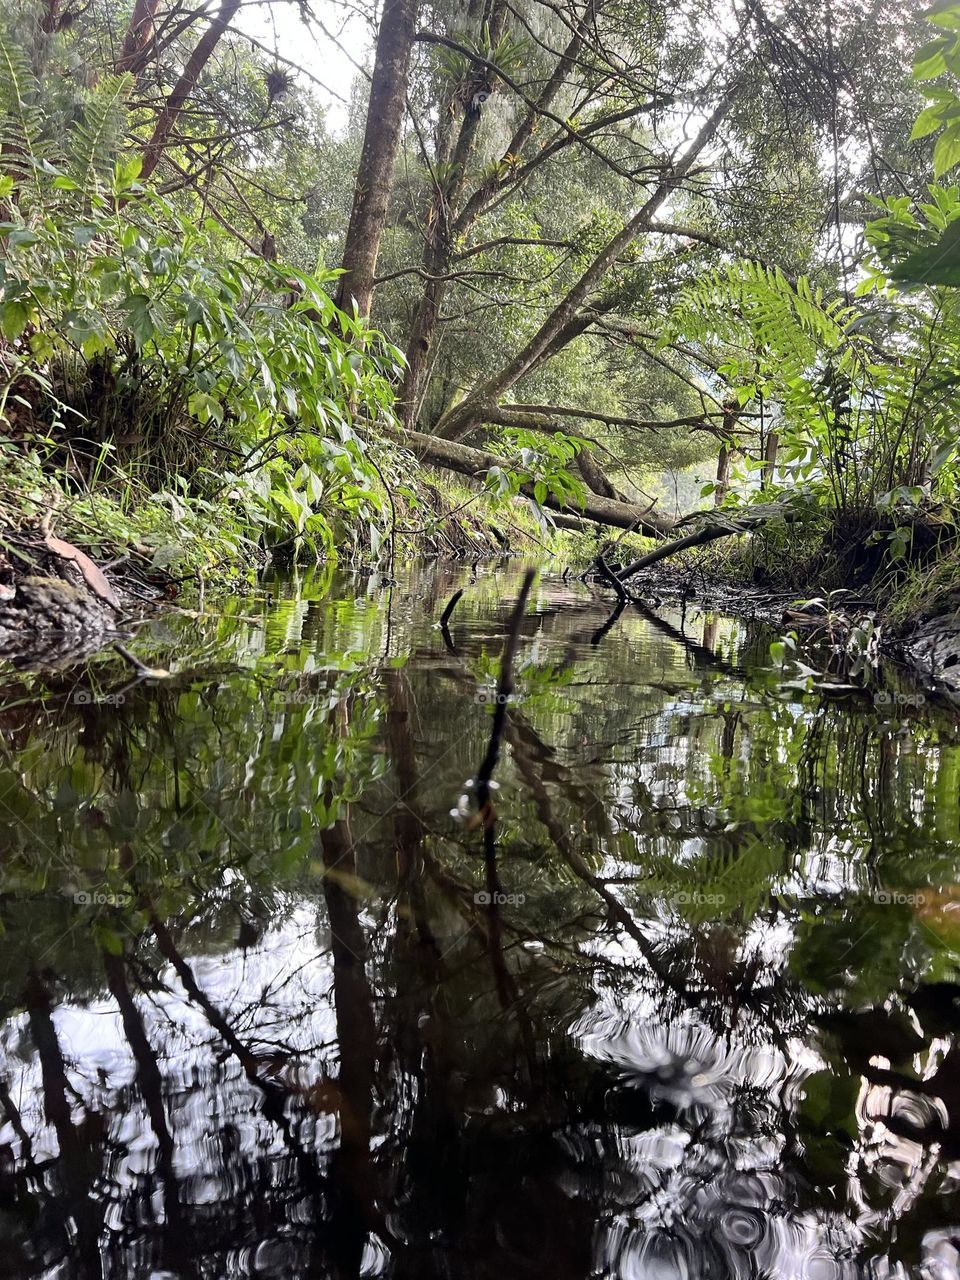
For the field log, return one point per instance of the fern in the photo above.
(92, 144)
(23, 147)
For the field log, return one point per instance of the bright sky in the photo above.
(329, 47)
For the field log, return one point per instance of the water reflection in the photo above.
(259, 1017)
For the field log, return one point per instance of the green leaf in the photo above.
(126, 172)
(13, 319)
(937, 264)
(946, 153)
(930, 62)
(946, 15)
(140, 318)
(928, 121)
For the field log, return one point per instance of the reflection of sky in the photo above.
(276, 996)
(712, 1198)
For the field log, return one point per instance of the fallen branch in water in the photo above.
(717, 527)
(504, 690)
(607, 574)
(445, 618)
(476, 463)
(506, 988)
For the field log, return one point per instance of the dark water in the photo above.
(258, 1018)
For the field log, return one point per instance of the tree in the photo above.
(381, 142)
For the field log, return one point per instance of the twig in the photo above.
(610, 577)
(504, 690)
(445, 619)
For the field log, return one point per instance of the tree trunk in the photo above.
(378, 158)
(723, 475)
(453, 159)
(594, 476)
(474, 462)
(137, 38)
(186, 84)
(770, 459)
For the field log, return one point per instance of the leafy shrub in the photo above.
(139, 345)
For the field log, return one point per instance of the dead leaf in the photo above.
(91, 574)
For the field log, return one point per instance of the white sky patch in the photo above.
(330, 48)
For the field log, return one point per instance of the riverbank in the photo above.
(80, 569)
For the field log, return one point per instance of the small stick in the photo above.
(609, 576)
(445, 618)
(504, 690)
(452, 604)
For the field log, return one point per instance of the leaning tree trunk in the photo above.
(186, 84)
(378, 158)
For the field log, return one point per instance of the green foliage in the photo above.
(139, 342)
(540, 464)
(861, 394)
(940, 58)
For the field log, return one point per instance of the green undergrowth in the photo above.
(221, 537)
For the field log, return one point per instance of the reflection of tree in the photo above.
(639, 1081)
(351, 1177)
(150, 1084)
(80, 1148)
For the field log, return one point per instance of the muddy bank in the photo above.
(59, 605)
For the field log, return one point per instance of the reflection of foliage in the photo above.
(701, 958)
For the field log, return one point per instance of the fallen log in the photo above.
(716, 527)
(468, 461)
(475, 463)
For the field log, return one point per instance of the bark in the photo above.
(186, 84)
(138, 36)
(710, 533)
(594, 476)
(475, 462)
(770, 459)
(378, 158)
(723, 475)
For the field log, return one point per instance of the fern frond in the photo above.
(93, 142)
(22, 145)
(756, 308)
